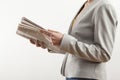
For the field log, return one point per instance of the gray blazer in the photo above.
(89, 42)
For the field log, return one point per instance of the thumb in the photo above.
(46, 32)
(52, 31)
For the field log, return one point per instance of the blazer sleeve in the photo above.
(105, 23)
(58, 51)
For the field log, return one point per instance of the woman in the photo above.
(89, 42)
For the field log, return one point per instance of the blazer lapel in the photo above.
(70, 27)
(80, 14)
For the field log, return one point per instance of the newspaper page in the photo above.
(31, 30)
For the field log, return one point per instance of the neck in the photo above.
(89, 0)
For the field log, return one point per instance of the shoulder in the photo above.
(105, 5)
(105, 10)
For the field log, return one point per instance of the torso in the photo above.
(85, 5)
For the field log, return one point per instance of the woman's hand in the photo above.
(55, 36)
(38, 43)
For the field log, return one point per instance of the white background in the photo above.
(20, 60)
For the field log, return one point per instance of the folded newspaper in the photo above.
(31, 30)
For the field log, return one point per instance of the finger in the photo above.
(52, 31)
(53, 42)
(43, 45)
(32, 41)
(46, 32)
(37, 43)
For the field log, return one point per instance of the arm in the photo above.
(59, 51)
(104, 35)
